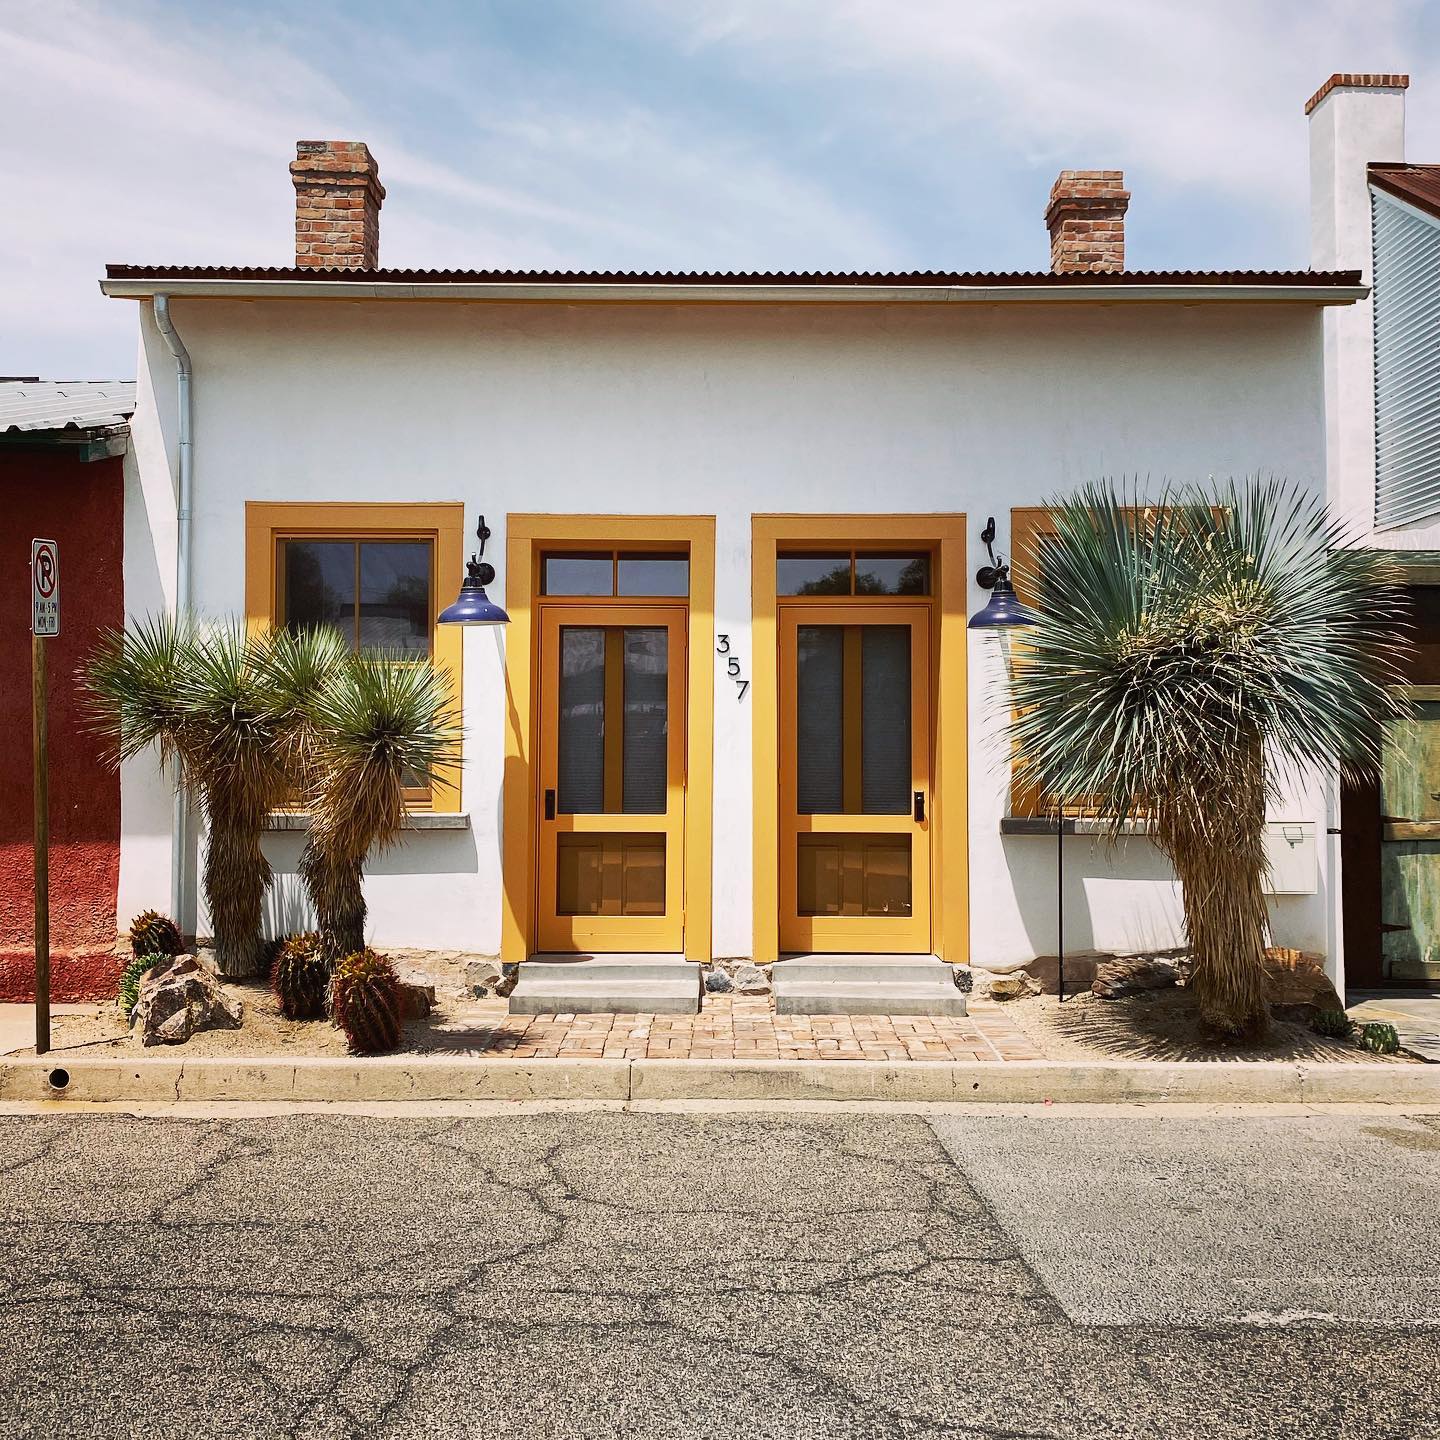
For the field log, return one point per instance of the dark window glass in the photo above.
(812, 575)
(892, 574)
(580, 574)
(395, 596)
(390, 611)
(581, 761)
(319, 584)
(820, 719)
(645, 744)
(653, 575)
(885, 702)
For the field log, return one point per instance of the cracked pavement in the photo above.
(717, 1274)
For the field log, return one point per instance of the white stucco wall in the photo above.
(723, 410)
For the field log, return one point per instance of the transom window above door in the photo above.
(852, 572)
(376, 592)
(632, 573)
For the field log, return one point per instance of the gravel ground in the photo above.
(719, 1275)
(1161, 1025)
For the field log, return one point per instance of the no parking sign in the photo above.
(44, 588)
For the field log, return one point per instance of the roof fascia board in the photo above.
(136, 289)
(1391, 198)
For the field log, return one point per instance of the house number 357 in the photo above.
(732, 665)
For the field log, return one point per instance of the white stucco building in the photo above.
(738, 513)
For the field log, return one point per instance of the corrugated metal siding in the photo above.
(1407, 363)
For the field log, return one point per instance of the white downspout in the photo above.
(165, 325)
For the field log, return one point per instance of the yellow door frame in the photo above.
(908, 934)
(527, 536)
(663, 932)
(943, 536)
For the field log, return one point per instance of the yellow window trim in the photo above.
(443, 523)
(943, 536)
(526, 536)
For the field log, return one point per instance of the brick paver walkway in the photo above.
(732, 1027)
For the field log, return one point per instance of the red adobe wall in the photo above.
(49, 492)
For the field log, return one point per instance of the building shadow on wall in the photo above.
(1123, 898)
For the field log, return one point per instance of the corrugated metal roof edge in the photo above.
(1119, 279)
(1387, 177)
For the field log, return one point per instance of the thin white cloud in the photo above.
(149, 139)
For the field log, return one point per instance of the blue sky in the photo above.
(659, 133)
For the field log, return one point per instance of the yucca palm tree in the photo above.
(1188, 657)
(200, 695)
(381, 724)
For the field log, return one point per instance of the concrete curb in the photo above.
(402, 1078)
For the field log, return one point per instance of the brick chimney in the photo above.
(338, 195)
(1086, 220)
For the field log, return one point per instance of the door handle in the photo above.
(549, 804)
(919, 807)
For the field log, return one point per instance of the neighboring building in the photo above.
(62, 448)
(1374, 212)
(736, 514)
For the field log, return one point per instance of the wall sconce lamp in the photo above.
(473, 606)
(1003, 611)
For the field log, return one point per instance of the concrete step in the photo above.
(607, 985)
(813, 985)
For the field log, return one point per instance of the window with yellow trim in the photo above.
(379, 574)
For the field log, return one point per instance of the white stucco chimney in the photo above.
(1354, 120)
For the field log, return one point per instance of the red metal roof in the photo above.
(1418, 184)
(1321, 279)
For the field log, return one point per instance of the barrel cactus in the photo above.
(1335, 1024)
(1379, 1038)
(130, 977)
(367, 1002)
(152, 933)
(300, 977)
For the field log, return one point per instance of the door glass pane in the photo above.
(820, 719)
(395, 595)
(885, 719)
(647, 675)
(653, 575)
(813, 574)
(610, 875)
(320, 585)
(892, 574)
(581, 759)
(580, 574)
(853, 875)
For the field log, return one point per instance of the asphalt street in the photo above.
(720, 1275)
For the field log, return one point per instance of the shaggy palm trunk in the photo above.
(337, 893)
(1214, 835)
(236, 878)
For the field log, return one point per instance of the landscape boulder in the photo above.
(483, 977)
(416, 1001)
(179, 997)
(1297, 986)
(1130, 974)
(750, 979)
(1013, 986)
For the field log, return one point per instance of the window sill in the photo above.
(417, 820)
(1045, 825)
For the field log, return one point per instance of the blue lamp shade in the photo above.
(1003, 611)
(474, 606)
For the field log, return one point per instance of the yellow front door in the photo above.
(855, 783)
(612, 778)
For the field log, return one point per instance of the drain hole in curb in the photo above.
(59, 1079)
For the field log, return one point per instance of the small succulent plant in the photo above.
(1334, 1023)
(1379, 1038)
(152, 933)
(367, 1002)
(300, 977)
(129, 992)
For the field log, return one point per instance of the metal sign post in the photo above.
(44, 624)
